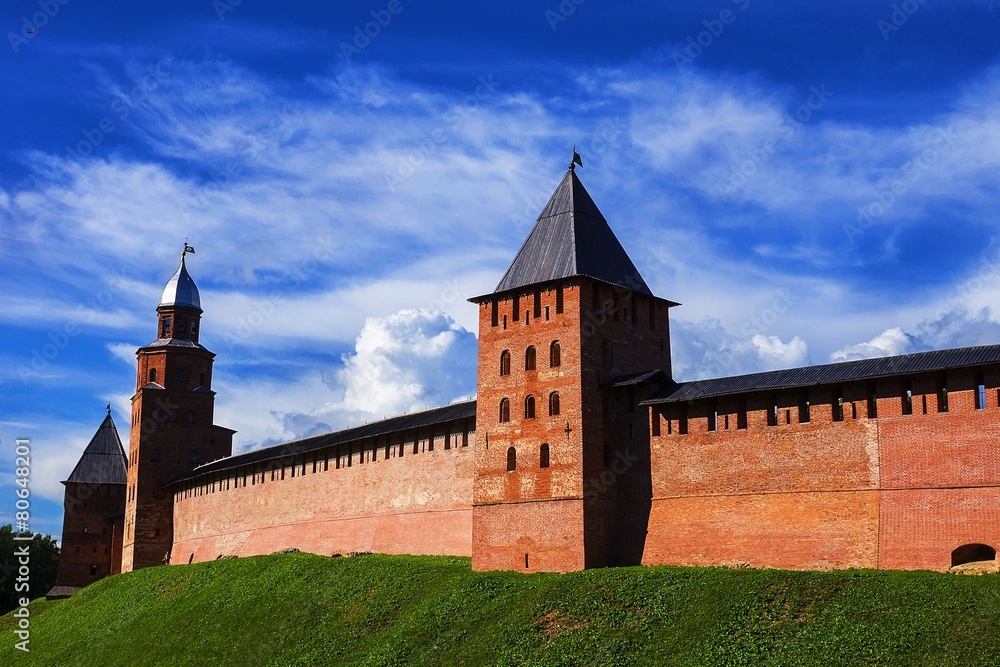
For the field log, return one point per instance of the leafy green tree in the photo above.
(43, 563)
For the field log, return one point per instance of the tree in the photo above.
(43, 563)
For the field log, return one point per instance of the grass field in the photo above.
(301, 609)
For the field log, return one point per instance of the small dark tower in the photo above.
(570, 323)
(172, 421)
(94, 513)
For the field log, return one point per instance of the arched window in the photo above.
(202, 380)
(529, 407)
(505, 363)
(554, 403)
(181, 325)
(152, 375)
(504, 410)
(543, 456)
(529, 359)
(555, 354)
(511, 459)
(970, 553)
(166, 327)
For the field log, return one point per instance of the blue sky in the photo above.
(813, 181)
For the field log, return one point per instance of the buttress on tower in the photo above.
(172, 429)
(568, 341)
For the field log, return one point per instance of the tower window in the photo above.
(202, 380)
(555, 354)
(554, 403)
(504, 410)
(194, 456)
(181, 325)
(172, 416)
(155, 456)
(190, 416)
(152, 375)
(559, 300)
(511, 459)
(981, 397)
(943, 400)
(505, 363)
(606, 354)
(529, 358)
(543, 456)
(166, 326)
(194, 328)
(494, 315)
(156, 414)
(516, 314)
(179, 374)
(538, 303)
(529, 407)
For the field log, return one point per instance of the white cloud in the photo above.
(777, 354)
(413, 360)
(408, 361)
(889, 343)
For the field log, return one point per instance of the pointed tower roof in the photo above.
(104, 460)
(572, 238)
(181, 290)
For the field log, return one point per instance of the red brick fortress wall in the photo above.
(406, 495)
(757, 479)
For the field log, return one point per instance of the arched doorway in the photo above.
(970, 553)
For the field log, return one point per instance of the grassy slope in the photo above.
(300, 609)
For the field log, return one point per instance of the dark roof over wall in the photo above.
(447, 413)
(571, 238)
(104, 460)
(847, 371)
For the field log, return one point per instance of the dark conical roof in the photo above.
(104, 460)
(572, 238)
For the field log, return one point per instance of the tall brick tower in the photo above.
(571, 320)
(172, 413)
(94, 508)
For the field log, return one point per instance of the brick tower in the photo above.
(566, 342)
(172, 421)
(94, 511)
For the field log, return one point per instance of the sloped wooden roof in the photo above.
(845, 371)
(103, 461)
(571, 238)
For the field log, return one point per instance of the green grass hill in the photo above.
(301, 609)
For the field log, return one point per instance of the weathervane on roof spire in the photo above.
(577, 160)
(109, 408)
(187, 248)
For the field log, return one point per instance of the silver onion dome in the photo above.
(181, 290)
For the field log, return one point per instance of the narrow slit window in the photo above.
(511, 459)
(553, 403)
(529, 407)
(529, 358)
(543, 456)
(504, 410)
(555, 354)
